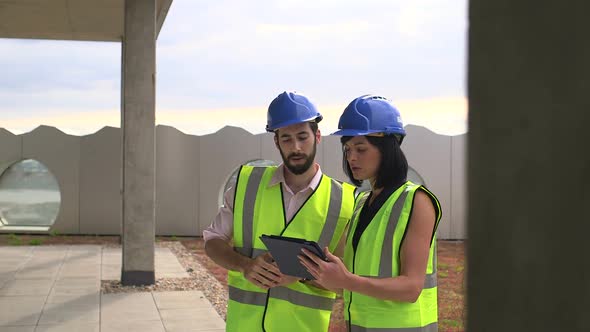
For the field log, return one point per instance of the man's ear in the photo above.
(318, 136)
(276, 141)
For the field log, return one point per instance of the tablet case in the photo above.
(285, 250)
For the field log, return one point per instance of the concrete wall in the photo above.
(429, 154)
(191, 172)
(11, 147)
(100, 182)
(60, 153)
(177, 182)
(332, 157)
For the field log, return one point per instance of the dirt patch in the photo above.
(451, 286)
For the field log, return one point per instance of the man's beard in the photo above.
(299, 169)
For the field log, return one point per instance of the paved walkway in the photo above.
(57, 288)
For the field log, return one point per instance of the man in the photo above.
(294, 199)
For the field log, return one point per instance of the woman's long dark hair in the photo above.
(393, 170)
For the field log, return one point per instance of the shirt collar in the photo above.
(279, 176)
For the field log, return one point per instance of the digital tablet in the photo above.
(285, 250)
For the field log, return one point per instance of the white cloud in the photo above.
(98, 94)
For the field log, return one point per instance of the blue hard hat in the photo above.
(290, 108)
(370, 114)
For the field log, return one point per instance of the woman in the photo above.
(388, 274)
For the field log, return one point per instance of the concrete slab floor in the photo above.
(57, 288)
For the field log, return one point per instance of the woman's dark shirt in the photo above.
(369, 211)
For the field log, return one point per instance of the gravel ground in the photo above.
(200, 279)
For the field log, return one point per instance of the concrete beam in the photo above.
(69, 20)
(528, 166)
(138, 123)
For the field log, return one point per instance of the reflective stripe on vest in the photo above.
(249, 201)
(247, 297)
(429, 280)
(385, 268)
(333, 214)
(387, 250)
(429, 328)
(302, 299)
(358, 206)
(282, 293)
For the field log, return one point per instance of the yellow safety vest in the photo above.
(377, 256)
(258, 209)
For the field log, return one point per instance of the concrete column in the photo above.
(528, 166)
(138, 123)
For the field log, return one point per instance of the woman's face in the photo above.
(363, 158)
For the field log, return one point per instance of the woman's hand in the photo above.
(331, 274)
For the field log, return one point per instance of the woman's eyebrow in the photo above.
(347, 145)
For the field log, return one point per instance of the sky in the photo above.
(222, 62)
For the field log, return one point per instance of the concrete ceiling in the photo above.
(91, 20)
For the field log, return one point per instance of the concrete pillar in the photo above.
(138, 123)
(528, 166)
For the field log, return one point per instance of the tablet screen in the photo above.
(285, 250)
